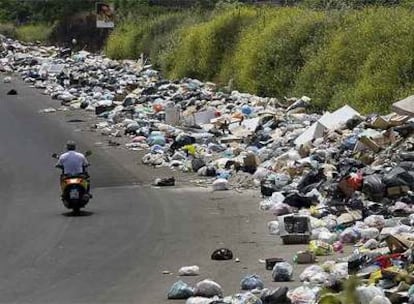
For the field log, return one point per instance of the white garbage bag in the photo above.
(199, 300)
(380, 300)
(220, 184)
(273, 227)
(302, 295)
(367, 293)
(189, 271)
(309, 272)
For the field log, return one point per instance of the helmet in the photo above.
(71, 145)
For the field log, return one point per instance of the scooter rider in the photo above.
(73, 164)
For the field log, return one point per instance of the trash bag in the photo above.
(367, 294)
(251, 282)
(320, 248)
(369, 233)
(220, 184)
(282, 272)
(398, 177)
(350, 235)
(180, 290)
(273, 227)
(189, 271)
(327, 237)
(167, 181)
(375, 221)
(280, 209)
(298, 200)
(197, 163)
(275, 296)
(313, 177)
(302, 295)
(222, 254)
(380, 300)
(199, 300)
(309, 272)
(373, 187)
(242, 298)
(208, 288)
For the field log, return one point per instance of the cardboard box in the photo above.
(305, 257)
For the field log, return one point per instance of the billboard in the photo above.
(104, 15)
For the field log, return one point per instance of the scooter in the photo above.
(75, 189)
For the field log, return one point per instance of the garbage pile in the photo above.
(330, 180)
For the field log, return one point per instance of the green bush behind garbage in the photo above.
(8, 30)
(34, 32)
(204, 48)
(152, 36)
(357, 57)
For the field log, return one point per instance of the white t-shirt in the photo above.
(73, 162)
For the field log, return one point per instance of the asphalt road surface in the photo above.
(129, 233)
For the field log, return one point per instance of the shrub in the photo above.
(34, 32)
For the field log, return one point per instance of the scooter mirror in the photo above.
(54, 155)
(88, 153)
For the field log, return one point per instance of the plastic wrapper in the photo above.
(376, 221)
(302, 295)
(340, 271)
(189, 271)
(350, 235)
(271, 296)
(327, 237)
(371, 244)
(199, 300)
(317, 231)
(208, 288)
(273, 227)
(251, 282)
(277, 197)
(320, 248)
(180, 290)
(242, 298)
(309, 272)
(282, 272)
(380, 300)
(280, 209)
(220, 184)
(369, 233)
(367, 294)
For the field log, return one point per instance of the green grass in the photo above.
(8, 30)
(357, 57)
(34, 32)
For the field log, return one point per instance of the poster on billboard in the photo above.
(104, 15)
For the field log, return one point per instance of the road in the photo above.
(117, 251)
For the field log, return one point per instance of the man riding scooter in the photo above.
(73, 164)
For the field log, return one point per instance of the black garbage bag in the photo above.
(405, 130)
(398, 177)
(275, 296)
(182, 141)
(347, 165)
(313, 177)
(373, 187)
(211, 171)
(407, 165)
(197, 163)
(406, 156)
(297, 200)
(222, 254)
(267, 187)
(131, 130)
